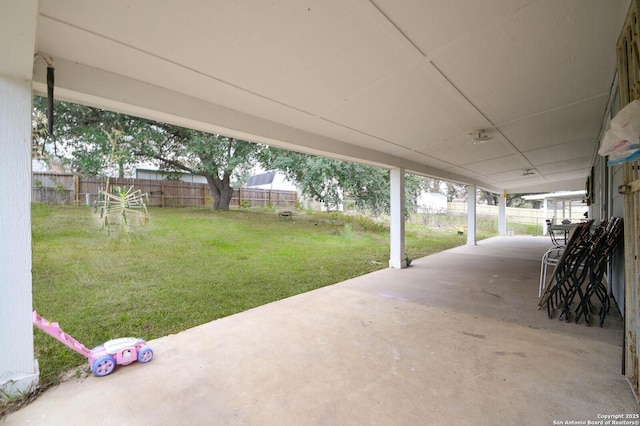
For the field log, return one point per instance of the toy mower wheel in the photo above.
(145, 355)
(103, 366)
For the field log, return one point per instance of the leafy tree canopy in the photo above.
(93, 140)
(330, 181)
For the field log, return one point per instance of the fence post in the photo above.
(76, 179)
(162, 193)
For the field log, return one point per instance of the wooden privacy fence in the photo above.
(66, 188)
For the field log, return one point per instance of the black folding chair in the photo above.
(555, 240)
(568, 271)
(590, 246)
(598, 262)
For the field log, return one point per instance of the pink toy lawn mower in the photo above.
(104, 358)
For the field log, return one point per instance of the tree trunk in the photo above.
(221, 191)
(492, 199)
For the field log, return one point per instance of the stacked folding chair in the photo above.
(603, 249)
(584, 259)
(569, 271)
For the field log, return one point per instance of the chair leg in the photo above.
(543, 270)
(584, 306)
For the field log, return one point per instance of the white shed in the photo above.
(432, 202)
(272, 180)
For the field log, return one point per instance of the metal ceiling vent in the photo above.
(479, 137)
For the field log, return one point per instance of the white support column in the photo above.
(545, 213)
(398, 257)
(502, 215)
(18, 369)
(471, 215)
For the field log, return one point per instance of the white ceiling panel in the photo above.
(512, 175)
(501, 164)
(434, 25)
(462, 151)
(429, 161)
(557, 154)
(548, 54)
(412, 108)
(571, 165)
(566, 124)
(526, 181)
(308, 55)
(566, 175)
(157, 71)
(397, 84)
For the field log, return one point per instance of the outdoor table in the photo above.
(566, 228)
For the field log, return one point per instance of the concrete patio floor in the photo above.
(454, 339)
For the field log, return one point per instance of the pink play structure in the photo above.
(104, 358)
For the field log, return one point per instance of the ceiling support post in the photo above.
(471, 215)
(545, 215)
(18, 368)
(398, 258)
(502, 215)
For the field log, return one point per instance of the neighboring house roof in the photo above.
(261, 179)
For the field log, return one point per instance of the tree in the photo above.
(39, 134)
(455, 190)
(218, 158)
(319, 178)
(82, 135)
(328, 180)
(491, 198)
(81, 138)
(512, 200)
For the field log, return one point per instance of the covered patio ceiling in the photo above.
(391, 83)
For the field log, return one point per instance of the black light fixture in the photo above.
(50, 86)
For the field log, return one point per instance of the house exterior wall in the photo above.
(616, 272)
(607, 203)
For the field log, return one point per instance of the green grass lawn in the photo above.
(189, 266)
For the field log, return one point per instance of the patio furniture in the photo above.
(590, 246)
(568, 272)
(554, 240)
(603, 249)
(583, 260)
(551, 258)
(559, 232)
